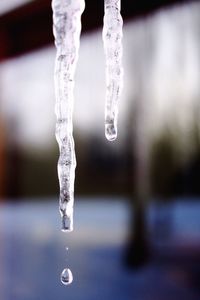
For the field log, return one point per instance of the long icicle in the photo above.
(66, 29)
(112, 38)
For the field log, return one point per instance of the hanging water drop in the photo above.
(112, 38)
(66, 29)
(66, 276)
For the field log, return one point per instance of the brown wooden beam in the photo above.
(29, 27)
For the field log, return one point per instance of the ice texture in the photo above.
(66, 29)
(112, 38)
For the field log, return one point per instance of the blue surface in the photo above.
(32, 254)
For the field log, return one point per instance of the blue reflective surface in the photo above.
(33, 254)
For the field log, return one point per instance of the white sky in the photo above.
(161, 67)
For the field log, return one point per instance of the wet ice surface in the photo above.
(112, 39)
(32, 252)
(66, 29)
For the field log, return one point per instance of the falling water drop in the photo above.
(112, 38)
(66, 276)
(67, 29)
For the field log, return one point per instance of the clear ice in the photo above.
(112, 38)
(66, 29)
(66, 276)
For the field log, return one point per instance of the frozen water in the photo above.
(112, 38)
(66, 29)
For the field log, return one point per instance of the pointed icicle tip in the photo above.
(110, 131)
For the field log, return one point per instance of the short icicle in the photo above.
(112, 38)
(66, 29)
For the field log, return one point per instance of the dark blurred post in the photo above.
(3, 49)
(13, 190)
(138, 245)
(164, 168)
(2, 160)
(141, 61)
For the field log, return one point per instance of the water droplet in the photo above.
(66, 276)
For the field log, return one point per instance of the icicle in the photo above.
(66, 29)
(112, 38)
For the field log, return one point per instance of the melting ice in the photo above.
(66, 29)
(112, 38)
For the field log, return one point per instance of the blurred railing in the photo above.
(30, 26)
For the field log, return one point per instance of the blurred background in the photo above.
(137, 208)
